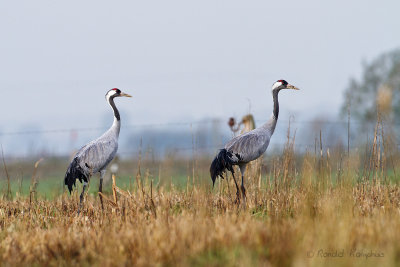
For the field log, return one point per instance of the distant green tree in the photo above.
(362, 94)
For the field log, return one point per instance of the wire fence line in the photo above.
(169, 124)
(86, 129)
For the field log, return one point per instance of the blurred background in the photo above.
(190, 66)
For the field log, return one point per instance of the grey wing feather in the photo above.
(248, 146)
(96, 155)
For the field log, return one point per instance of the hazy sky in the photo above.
(182, 60)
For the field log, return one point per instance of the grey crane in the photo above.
(96, 155)
(249, 146)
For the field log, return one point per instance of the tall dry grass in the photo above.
(284, 225)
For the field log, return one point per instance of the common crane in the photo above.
(249, 146)
(96, 155)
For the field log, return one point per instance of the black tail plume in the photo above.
(220, 164)
(74, 172)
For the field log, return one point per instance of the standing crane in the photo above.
(96, 155)
(249, 146)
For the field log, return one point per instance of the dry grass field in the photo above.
(321, 208)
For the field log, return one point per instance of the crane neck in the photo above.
(116, 112)
(275, 112)
(271, 123)
(117, 119)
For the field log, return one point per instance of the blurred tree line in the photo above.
(380, 83)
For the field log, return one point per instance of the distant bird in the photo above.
(249, 146)
(96, 155)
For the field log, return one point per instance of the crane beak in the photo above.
(289, 86)
(123, 94)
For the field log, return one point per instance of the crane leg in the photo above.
(243, 192)
(82, 196)
(102, 173)
(237, 201)
(242, 170)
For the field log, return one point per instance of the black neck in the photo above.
(116, 112)
(276, 103)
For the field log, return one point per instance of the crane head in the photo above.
(115, 92)
(282, 84)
